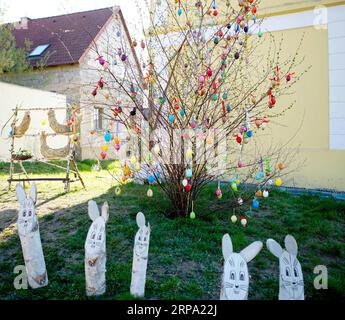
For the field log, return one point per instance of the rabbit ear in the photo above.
(226, 246)
(105, 212)
(93, 210)
(33, 192)
(274, 247)
(140, 219)
(291, 245)
(21, 195)
(250, 252)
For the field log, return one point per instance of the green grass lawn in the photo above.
(185, 257)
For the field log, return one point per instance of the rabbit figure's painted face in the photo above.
(95, 240)
(291, 276)
(235, 277)
(96, 237)
(27, 220)
(236, 280)
(142, 238)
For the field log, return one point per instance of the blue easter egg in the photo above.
(189, 173)
(255, 204)
(182, 112)
(228, 108)
(249, 134)
(237, 27)
(179, 11)
(158, 175)
(151, 179)
(171, 118)
(225, 95)
(107, 136)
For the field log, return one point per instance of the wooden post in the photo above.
(95, 250)
(29, 234)
(140, 257)
(12, 147)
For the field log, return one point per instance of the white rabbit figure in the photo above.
(235, 280)
(291, 284)
(29, 234)
(95, 250)
(140, 256)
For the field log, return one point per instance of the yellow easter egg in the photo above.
(117, 191)
(105, 148)
(278, 182)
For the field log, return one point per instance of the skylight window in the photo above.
(38, 51)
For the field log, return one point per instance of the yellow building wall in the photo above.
(304, 129)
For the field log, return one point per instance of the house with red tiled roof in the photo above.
(64, 56)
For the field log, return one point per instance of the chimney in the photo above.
(22, 24)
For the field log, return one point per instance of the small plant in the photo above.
(22, 155)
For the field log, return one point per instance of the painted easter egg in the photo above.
(192, 215)
(188, 187)
(107, 136)
(233, 218)
(117, 191)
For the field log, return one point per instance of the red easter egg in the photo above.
(238, 139)
(103, 155)
(188, 187)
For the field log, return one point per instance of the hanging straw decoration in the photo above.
(50, 153)
(20, 130)
(55, 125)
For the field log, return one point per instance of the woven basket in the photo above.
(19, 157)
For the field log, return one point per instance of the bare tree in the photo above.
(211, 82)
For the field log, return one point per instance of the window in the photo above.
(38, 51)
(98, 119)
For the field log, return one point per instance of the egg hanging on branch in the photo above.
(192, 215)
(117, 191)
(244, 221)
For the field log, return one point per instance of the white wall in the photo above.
(12, 96)
(336, 50)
